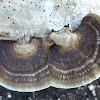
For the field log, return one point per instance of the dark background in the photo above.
(81, 93)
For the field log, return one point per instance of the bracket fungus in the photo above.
(63, 59)
(23, 65)
(75, 58)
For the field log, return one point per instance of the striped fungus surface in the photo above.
(62, 59)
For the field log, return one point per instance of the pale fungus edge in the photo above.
(77, 82)
(22, 87)
(51, 81)
(95, 16)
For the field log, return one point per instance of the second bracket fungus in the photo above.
(74, 60)
(63, 59)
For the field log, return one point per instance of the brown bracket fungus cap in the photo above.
(74, 60)
(23, 65)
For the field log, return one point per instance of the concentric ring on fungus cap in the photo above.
(23, 65)
(74, 60)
